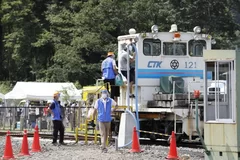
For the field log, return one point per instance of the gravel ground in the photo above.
(80, 151)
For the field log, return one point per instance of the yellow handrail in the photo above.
(84, 126)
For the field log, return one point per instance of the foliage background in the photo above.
(66, 40)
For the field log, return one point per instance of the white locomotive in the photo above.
(164, 59)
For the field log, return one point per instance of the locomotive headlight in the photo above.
(155, 36)
(196, 37)
(213, 41)
(132, 31)
(136, 39)
(197, 29)
(154, 29)
(173, 28)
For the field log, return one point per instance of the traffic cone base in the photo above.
(135, 142)
(8, 152)
(7, 158)
(23, 154)
(24, 150)
(36, 150)
(172, 155)
(172, 158)
(136, 150)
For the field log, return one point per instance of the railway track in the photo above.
(161, 142)
(71, 137)
(48, 136)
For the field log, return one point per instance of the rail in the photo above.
(161, 134)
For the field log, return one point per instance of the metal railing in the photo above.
(16, 118)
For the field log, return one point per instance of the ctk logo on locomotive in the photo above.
(154, 64)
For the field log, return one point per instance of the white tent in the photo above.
(43, 91)
(1, 96)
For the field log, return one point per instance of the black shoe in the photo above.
(55, 143)
(92, 124)
(104, 150)
(132, 96)
(62, 143)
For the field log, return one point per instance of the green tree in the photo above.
(58, 40)
(215, 17)
(19, 26)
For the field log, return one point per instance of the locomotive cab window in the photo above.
(151, 47)
(196, 48)
(174, 48)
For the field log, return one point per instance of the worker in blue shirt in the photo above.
(109, 72)
(104, 106)
(55, 110)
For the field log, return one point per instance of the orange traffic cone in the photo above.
(36, 144)
(8, 153)
(24, 151)
(135, 142)
(173, 148)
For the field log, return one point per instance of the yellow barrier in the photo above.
(84, 126)
(95, 132)
(89, 136)
(76, 134)
(86, 131)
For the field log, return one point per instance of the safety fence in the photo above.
(20, 118)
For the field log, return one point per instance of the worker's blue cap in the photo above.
(104, 91)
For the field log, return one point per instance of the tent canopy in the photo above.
(43, 91)
(1, 96)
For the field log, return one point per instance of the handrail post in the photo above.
(86, 131)
(196, 96)
(175, 117)
(76, 134)
(128, 78)
(136, 87)
(95, 131)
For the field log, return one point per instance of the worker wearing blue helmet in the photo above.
(104, 107)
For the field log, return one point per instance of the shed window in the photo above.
(220, 92)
